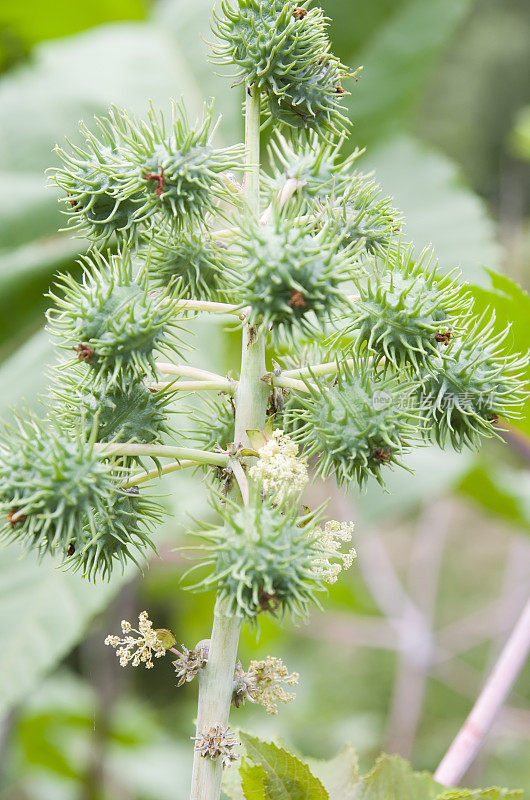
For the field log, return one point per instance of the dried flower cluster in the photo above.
(217, 743)
(334, 535)
(278, 470)
(140, 650)
(189, 662)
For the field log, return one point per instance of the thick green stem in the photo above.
(216, 679)
(215, 695)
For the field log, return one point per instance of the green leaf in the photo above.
(511, 305)
(339, 775)
(275, 774)
(436, 472)
(45, 612)
(253, 780)
(287, 778)
(32, 21)
(502, 491)
(439, 209)
(398, 58)
(392, 778)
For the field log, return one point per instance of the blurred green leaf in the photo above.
(339, 775)
(42, 743)
(392, 778)
(45, 612)
(511, 305)
(23, 375)
(436, 472)
(398, 56)
(502, 491)
(520, 136)
(439, 209)
(33, 21)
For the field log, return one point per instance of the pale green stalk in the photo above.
(188, 372)
(329, 368)
(206, 305)
(161, 451)
(221, 385)
(288, 383)
(216, 679)
(147, 475)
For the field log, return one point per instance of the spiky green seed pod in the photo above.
(91, 178)
(406, 310)
(359, 426)
(176, 169)
(111, 320)
(292, 279)
(315, 165)
(123, 412)
(114, 538)
(203, 267)
(313, 102)
(51, 484)
(283, 49)
(469, 385)
(363, 217)
(268, 42)
(263, 558)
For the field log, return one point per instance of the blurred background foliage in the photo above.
(443, 107)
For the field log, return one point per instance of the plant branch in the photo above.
(220, 385)
(143, 477)
(469, 739)
(161, 451)
(242, 480)
(328, 368)
(188, 372)
(206, 305)
(279, 382)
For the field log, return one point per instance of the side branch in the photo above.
(220, 385)
(329, 368)
(469, 739)
(143, 477)
(162, 451)
(188, 372)
(206, 305)
(279, 382)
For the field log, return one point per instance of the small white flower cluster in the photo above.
(218, 742)
(279, 471)
(266, 680)
(333, 536)
(140, 650)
